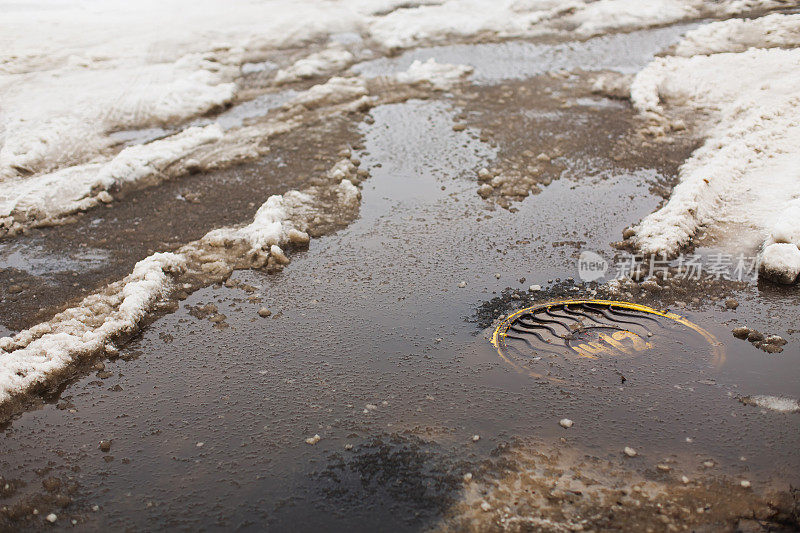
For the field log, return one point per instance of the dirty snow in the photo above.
(43, 199)
(32, 356)
(333, 91)
(328, 60)
(64, 116)
(780, 262)
(441, 76)
(605, 15)
(740, 184)
(405, 28)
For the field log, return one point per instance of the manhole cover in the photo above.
(549, 340)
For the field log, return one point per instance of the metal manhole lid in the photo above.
(531, 339)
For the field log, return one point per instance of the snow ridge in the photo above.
(744, 181)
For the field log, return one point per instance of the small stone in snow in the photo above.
(565, 423)
(534, 288)
(105, 445)
(264, 312)
(497, 275)
(313, 440)
(462, 284)
(51, 518)
(630, 452)
(730, 303)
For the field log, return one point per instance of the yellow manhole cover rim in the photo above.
(500, 333)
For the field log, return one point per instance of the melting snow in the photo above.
(745, 179)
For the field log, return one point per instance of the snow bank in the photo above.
(61, 117)
(441, 76)
(458, 19)
(43, 199)
(602, 16)
(405, 28)
(605, 15)
(743, 180)
(32, 356)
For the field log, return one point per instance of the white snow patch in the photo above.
(737, 35)
(328, 60)
(780, 262)
(775, 403)
(744, 178)
(441, 76)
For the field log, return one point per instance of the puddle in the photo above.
(235, 117)
(493, 62)
(139, 136)
(370, 345)
(259, 106)
(39, 261)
